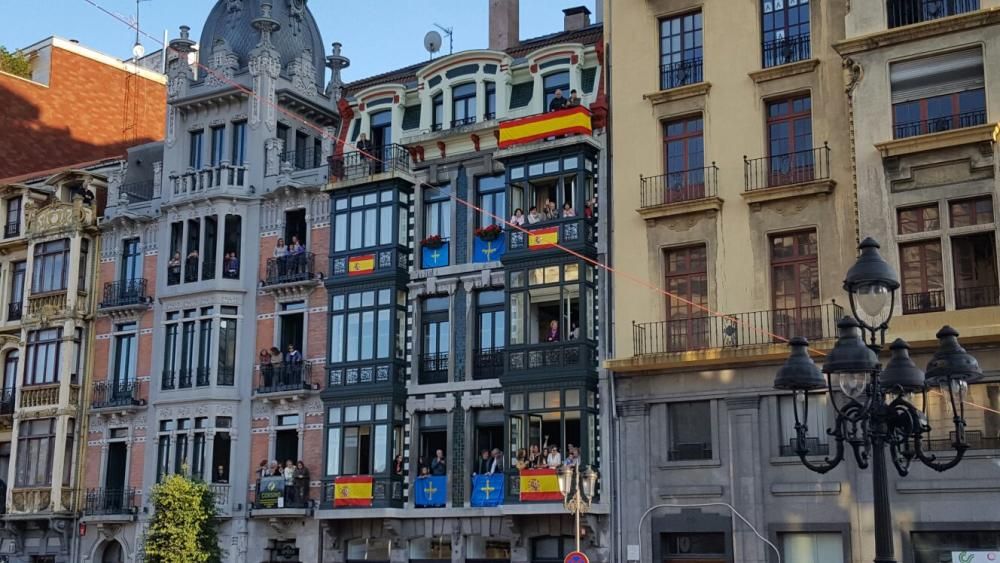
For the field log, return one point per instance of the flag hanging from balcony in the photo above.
(352, 491)
(436, 257)
(431, 491)
(543, 238)
(540, 484)
(488, 250)
(270, 492)
(487, 490)
(361, 265)
(574, 120)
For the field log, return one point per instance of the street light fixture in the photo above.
(577, 488)
(876, 413)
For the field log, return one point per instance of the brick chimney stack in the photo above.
(576, 18)
(505, 22)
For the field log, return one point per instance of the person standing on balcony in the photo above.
(232, 266)
(517, 218)
(568, 210)
(484, 463)
(280, 255)
(301, 482)
(558, 102)
(553, 335)
(533, 216)
(574, 99)
(293, 356)
(266, 371)
(554, 459)
(521, 461)
(289, 474)
(297, 255)
(263, 470)
(438, 465)
(174, 268)
(496, 463)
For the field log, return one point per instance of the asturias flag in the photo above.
(352, 491)
(360, 265)
(431, 491)
(540, 484)
(487, 490)
(543, 238)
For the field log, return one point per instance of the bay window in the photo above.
(35, 450)
(43, 356)
(551, 304)
(361, 438)
(366, 220)
(51, 266)
(361, 325)
(565, 419)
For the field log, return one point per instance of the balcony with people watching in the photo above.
(282, 490)
(291, 264)
(197, 244)
(283, 373)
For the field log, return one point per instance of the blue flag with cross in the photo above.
(431, 491)
(487, 490)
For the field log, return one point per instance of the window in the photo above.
(687, 326)
(555, 81)
(231, 244)
(35, 449)
(125, 355)
(938, 93)
(680, 50)
(239, 143)
(553, 419)
(789, 141)
(84, 266)
(227, 350)
(974, 261)
(16, 304)
(785, 31)
(195, 148)
(492, 193)
(131, 262)
(551, 549)
(923, 276)
(10, 362)
(437, 111)
(982, 431)
(436, 331)
(554, 182)
(218, 144)
(815, 421)
(918, 219)
(437, 212)
(358, 439)
(690, 430)
(908, 12)
(12, 227)
(693, 545)
(684, 152)
(492, 334)
(43, 356)
(795, 285)
(51, 266)
(555, 307)
(188, 345)
(211, 245)
(366, 221)
(361, 325)
(967, 212)
(463, 104)
(491, 100)
(935, 547)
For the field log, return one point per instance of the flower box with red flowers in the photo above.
(433, 241)
(489, 232)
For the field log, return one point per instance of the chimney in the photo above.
(504, 24)
(576, 18)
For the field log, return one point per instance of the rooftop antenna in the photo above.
(131, 106)
(449, 32)
(432, 42)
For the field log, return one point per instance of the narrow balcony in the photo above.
(681, 73)
(574, 233)
(223, 177)
(791, 169)
(488, 363)
(471, 120)
(15, 311)
(433, 368)
(291, 270)
(287, 378)
(739, 330)
(39, 396)
(939, 124)
(786, 50)
(221, 494)
(362, 491)
(111, 505)
(679, 187)
(7, 402)
(359, 166)
(974, 297)
(551, 360)
(909, 12)
(305, 159)
(273, 500)
(116, 395)
(125, 294)
(12, 229)
(924, 302)
(137, 192)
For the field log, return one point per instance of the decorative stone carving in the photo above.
(336, 62)
(223, 64)
(296, 15)
(233, 10)
(853, 73)
(303, 73)
(265, 67)
(272, 156)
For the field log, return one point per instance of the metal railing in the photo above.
(107, 394)
(908, 12)
(939, 124)
(168, 379)
(973, 297)
(812, 444)
(926, 302)
(786, 50)
(359, 164)
(12, 229)
(464, 121)
(797, 167)
(488, 363)
(680, 73)
(137, 191)
(290, 499)
(226, 376)
(186, 378)
(285, 376)
(15, 311)
(677, 187)
(817, 322)
(974, 438)
(104, 502)
(203, 377)
(290, 269)
(220, 492)
(433, 368)
(7, 402)
(690, 452)
(304, 159)
(124, 293)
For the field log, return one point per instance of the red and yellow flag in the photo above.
(352, 491)
(361, 265)
(543, 238)
(540, 484)
(575, 120)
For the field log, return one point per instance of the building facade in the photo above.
(452, 334)
(757, 173)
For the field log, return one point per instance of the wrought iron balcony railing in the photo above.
(939, 124)
(109, 394)
(137, 191)
(226, 375)
(797, 167)
(974, 438)
(203, 377)
(358, 164)
(107, 502)
(124, 293)
(908, 12)
(433, 368)
(488, 363)
(464, 121)
(12, 229)
(291, 269)
(285, 376)
(168, 379)
(290, 499)
(680, 73)
(786, 50)
(304, 159)
(926, 302)
(15, 311)
(7, 402)
(817, 322)
(973, 297)
(677, 187)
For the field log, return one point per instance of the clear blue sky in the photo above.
(378, 35)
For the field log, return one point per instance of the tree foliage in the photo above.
(183, 528)
(16, 63)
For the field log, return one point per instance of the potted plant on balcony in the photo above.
(489, 233)
(432, 242)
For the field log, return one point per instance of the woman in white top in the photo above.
(280, 249)
(554, 460)
(517, 218)
(533, 216)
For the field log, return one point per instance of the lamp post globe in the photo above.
(871, 284)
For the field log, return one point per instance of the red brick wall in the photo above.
(76, 118)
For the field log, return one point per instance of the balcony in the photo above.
(40, 395)
(125, 294)
(909, 12)
(12, 229)
(221, 494)
(925, 302)
(740, 330)
(116, 395)
(111, 504)
(799, 167)
(550, 359)
(681, 73)
(137, 192)
(462, 122)
(272, 500)
(939, 124)
(386, 492)
(433, 368)
(974, 297)
(286, 377)
(487, 364)
(975, 439)
(305, 159)
(575, 233)
(679, 187)
(786, 50)
(222, 177)
(14, 311)
(292, 269)
(362, 166)
(7, 402)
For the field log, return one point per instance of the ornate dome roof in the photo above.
(232, 20)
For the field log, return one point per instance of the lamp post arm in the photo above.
(803, 452)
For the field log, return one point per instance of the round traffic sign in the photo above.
(577, 557)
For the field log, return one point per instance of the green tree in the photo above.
(184, 528)
(16, 63)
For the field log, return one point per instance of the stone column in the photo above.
(743, 426)
(634, 472)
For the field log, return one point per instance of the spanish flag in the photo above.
(575, 120)
(361, 265)
(543, 238)
(540, 484)
(352, 491)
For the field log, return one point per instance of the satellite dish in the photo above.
(432, 42)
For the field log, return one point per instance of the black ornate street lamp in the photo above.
(876, 412)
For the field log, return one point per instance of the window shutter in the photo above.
(938, 75)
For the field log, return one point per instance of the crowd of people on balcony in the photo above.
(290, 258)
(490, 462)
(546, 457)
(279, 368)
(548, 212)
(296, 476)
